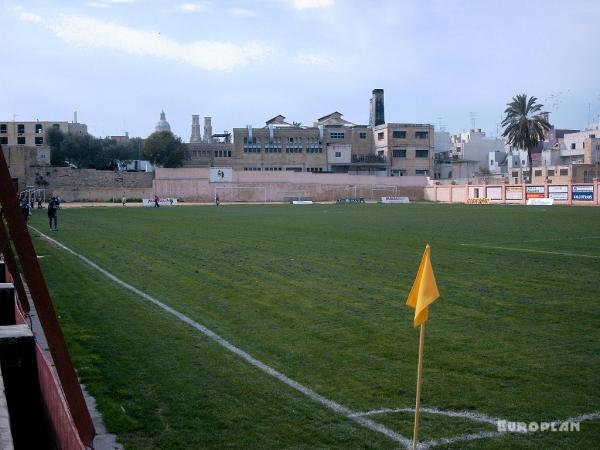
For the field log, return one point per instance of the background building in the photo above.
(34, 132)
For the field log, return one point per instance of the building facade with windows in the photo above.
(331, 144)
(408, 149)
(33, 133)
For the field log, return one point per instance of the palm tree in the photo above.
(525, 125)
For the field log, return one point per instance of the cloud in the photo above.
(313, 59)
(85, 32)
(241, 12)
(192, 7)
(312, 4)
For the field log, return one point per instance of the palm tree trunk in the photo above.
(530, 177)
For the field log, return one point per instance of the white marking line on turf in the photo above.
(464, 414)
(528, 250)
(461, 438)
(541, 240)
(337, 407)
(472, 416)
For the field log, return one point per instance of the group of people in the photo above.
(27, 210)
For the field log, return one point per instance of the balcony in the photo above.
(368, 159)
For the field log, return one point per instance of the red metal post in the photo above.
(43, 305)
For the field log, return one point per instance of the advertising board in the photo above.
(221, 175)
(558, 192)
(535, 191)
(582, 193)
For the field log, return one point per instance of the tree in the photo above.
(54, 139)
(164, 149)
(525, 125)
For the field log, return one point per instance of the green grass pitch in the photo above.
(318, 293)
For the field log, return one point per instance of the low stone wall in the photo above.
(89, 184)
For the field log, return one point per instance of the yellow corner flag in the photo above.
(424, 290)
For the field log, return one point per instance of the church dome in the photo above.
(162, 124)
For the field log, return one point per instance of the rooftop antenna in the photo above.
(473, 117)
(440, 123)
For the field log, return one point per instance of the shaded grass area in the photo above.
(318, 293)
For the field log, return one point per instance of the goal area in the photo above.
(231, 194)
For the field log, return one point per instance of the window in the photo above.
(39, 140)
(399, 173)
(38, 128)
(21, 128)
(336, 135)
(421, 153)
(564, 172)
(537, 173)
(491, 162)
(399, 134)
(4, 140)
(338, 154)
(399, 153)
(21, 140)
(3, 128)
(422, 172)
(380, 136)
(56, 125)
(362, 135)
(573, 146)
(421, 134)
(515, 174)
(550, 172)
(592, 136)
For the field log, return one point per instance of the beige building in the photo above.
(34, 133)
(332, 144)
(22, 161)
(407, 148)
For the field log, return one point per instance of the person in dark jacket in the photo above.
(53, 213)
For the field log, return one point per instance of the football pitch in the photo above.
(278, 326)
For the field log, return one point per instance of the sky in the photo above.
(452, 63)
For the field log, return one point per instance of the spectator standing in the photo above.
(53, 213)
(26, 209)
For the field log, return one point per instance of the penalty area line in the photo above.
(529, 250)
(337, 407)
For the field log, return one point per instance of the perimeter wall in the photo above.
(193, 184)
(568, 193)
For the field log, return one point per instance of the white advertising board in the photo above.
(558, 192)
(540, 201)
(514, 193)
(161, 202)
(221, 175)
(395, 200)
(494, 192)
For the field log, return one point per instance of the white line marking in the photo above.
(540, 240)
(464, 414)
(583, 418)
(488, 434)
(527, 250)
(461, 438)
(337, 407)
